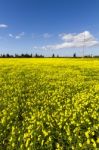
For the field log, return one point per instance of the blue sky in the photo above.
(49, 26)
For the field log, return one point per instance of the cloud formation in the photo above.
(46, 35)
(73, 40)
(10, 35)
(20, 35)
(43, 36)
(3, 26)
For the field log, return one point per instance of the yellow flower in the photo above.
(80, 145)
(87, 134)
(88, 141)
(45, 133)
(98, 140)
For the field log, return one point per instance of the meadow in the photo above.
(49, 104)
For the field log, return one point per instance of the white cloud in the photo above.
(17, 37)
(47, 35)
(73, 40)
(20, 35)
(10, 35)
(3, 26)
(44, 35)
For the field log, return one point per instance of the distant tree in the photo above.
(36, 55)
(53, 56)
(96, 56)
(3, 56)
(31, 55)
(16, 55)
(21, 56)
(7, 55)
(57, 56)
(74, 55)
(88, 56)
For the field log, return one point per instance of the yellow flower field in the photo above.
(49, 104)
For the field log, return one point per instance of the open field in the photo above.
(49, 104)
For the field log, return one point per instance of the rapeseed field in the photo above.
(49, 104)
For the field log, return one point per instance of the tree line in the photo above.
(42, 56)
(21, 56)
